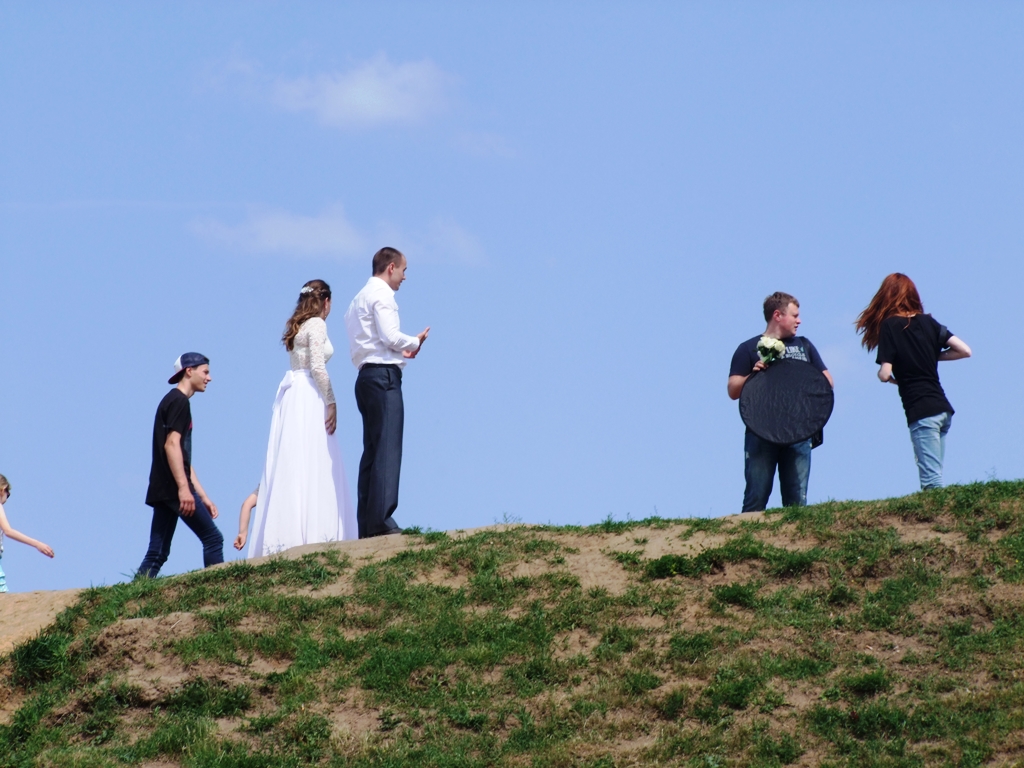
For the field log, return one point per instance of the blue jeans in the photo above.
(929, 438)
(165, 519)
(761, 459)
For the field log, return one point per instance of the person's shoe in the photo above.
(390, 532)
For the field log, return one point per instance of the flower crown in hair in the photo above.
(320, 293)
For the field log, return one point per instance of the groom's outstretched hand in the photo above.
(411, 353)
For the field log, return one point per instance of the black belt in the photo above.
(380, 365)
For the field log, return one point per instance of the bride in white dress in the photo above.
(303, 496)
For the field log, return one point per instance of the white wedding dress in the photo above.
(303, 496)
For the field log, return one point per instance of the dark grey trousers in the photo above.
(379, 397)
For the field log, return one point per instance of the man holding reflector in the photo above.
(785, 394)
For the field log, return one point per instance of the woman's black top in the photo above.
(912, 345)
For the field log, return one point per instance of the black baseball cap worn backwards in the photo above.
(187, 360)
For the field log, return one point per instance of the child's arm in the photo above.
(243, 520)
(18, 536)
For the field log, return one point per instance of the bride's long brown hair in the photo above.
(310, 304)
(898, 297)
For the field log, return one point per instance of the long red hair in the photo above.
(897, 297)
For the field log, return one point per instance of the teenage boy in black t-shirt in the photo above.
(174, 488)
(782, 313)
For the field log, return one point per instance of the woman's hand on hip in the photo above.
(331, 422)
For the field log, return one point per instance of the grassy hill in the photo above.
(883, 633)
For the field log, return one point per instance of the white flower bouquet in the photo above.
(769, 349)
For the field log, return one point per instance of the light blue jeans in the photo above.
(929, 438)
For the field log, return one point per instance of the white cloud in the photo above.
(329, 233)
(374, 93)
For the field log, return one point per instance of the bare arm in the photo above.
(202, 494)
(19, 536)
(957, 350)
(885, 373)
(736, 383)
(735, 387)
(243, 520)
(176, 461)
(828, 376)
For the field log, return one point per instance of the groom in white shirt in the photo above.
(380, 351)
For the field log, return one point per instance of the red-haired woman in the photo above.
(910, 345)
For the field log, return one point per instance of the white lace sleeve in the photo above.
(317, 361)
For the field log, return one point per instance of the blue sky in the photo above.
(594, 199)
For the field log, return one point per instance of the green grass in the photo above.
(781, 563)
(742, 595)
(826, 630)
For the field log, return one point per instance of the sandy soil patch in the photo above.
(922, 532)
(361, 551)
(574, 643)
(352, 717)
(953, 607)
(1005, 599)
(135, 648)
(441, 577)
(24, 614)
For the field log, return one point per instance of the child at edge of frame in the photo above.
(11, 533)
(243, 518)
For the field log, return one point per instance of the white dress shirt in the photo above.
(373, 328)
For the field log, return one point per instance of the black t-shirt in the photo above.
(797, 348)
(172, 415)
(913, 345)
